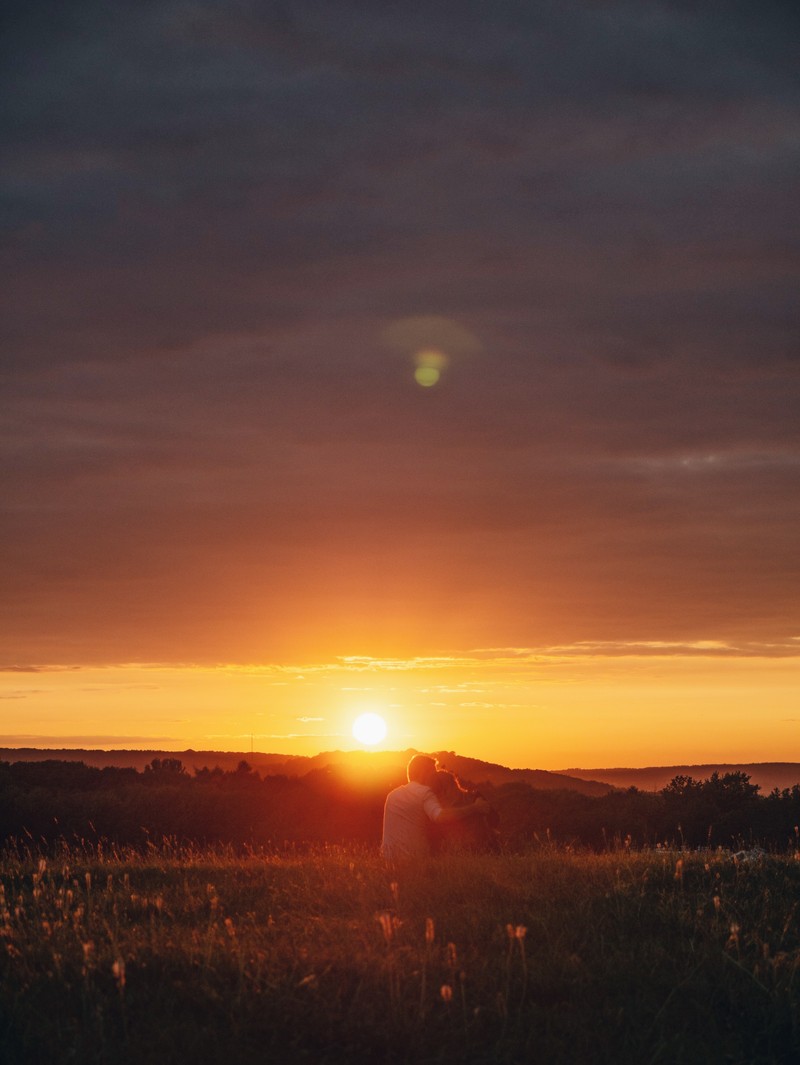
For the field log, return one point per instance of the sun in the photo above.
(369, 729)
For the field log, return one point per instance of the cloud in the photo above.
(216, 216)
(708, 648)
(79, 740)
(273, 735)
(45, 668)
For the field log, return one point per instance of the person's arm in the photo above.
(461, 813)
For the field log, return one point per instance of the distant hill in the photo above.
(768, 775)
(477, 772)
(381, 765)
(367, 764)
(264, 763)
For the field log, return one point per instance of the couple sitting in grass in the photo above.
(432, 813)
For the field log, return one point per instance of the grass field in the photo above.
(198, 956)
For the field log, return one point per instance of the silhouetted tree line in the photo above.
(52, 800)
(722, 811)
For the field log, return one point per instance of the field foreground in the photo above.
(196, 955)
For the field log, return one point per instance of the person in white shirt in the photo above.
(411, 808)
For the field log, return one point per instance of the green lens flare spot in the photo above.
(426, 376)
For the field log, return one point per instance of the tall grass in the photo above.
(182, 954)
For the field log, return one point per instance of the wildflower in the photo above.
(118, 972)
(446, 992)
(717, 903)
(516, 931)
(388, 924)
(430, 931)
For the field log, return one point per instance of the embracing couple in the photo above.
(433, 812)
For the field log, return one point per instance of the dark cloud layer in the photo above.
(215, 215)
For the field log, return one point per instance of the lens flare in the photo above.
(426, 376)
(430, 362)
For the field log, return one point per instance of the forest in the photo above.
(53, 800)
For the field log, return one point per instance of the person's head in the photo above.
(422, 769)
(448, 788)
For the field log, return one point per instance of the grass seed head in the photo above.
(388, 925)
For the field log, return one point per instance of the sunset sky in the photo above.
(439, 360)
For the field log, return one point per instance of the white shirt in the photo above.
(406, 814)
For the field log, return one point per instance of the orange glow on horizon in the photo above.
(527, 711)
